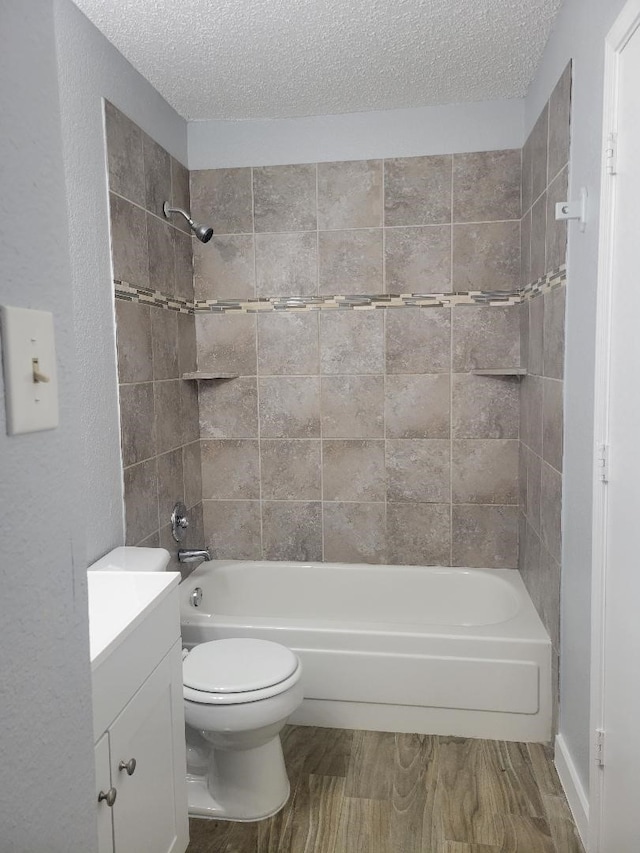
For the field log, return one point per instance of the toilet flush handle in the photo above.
(129, 766)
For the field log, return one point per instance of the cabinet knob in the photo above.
(129, 766)
(110, 796)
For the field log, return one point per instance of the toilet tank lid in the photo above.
(127, 558)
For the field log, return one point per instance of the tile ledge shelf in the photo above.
(500, 371)
(208, 376)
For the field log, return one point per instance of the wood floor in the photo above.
(374, 792)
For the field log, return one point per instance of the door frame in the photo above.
(623, 28)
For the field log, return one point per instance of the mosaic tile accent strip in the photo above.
(551, 280)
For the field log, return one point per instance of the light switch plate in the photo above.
(30, 387)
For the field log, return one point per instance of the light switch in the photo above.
(30, 380)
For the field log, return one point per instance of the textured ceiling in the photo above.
(236, 59)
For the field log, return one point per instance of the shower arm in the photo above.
(167, 210)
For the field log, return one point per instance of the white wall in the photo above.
(90, 69)
(46, 771)
(357, 136)
(579, 34)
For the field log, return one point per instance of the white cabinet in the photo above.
(140, 742)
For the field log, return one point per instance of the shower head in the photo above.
(202, 232)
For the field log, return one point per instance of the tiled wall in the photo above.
(361, 435)
(158, 411)
(544, 182)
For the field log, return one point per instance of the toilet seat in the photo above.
(234, 671)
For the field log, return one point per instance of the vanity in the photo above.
(138, 712)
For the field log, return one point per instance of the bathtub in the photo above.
(390, 648)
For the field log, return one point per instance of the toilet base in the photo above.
(241, 785)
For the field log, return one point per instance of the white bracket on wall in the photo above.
(574, 209)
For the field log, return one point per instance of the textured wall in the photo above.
(545, 168)
(46, 773)
(361, 435)
(155, 345)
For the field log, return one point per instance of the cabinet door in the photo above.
(103, 783)
(150, 815)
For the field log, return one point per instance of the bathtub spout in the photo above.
(186, 555)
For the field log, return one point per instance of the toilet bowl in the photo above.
(238, 694)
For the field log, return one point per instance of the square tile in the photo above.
(486, 256)
(183, 262)
(350, 194)
(157, 175)
(140, 501)
(559, 124)
(161, 253)
(485, 471)
(554, 321)
(287, 264)
(188, 425)
(187, 349)
(419, 534)
(289, 407)
(227, 343)
(485, 337)
(524, 333)
(137, 423)
(535, 336)
(552, 422)
(223, 268)
(527, 165)
(534, 481)
(417, 190)
(556, 233)
(192, 472)
(539, 137)
(353, 407)
(288, 343)
(229, 408)
(418, 340)
(222, 198)
(538, 238)
(418, 470)
(230, 470)
(180, 196)
(291, 530)
(354, 532)
(133, 328)
(351, 342)
(418, 406)
(124, 155)
(485, 406)
(170, 423)
(525, 250)
(485, 536)
(418, 259)
(164, 335)
(551, 511)
(486, 186)
(170, 483)
(531, 413)
(290, 469)
(350, 261)
(284, 198)
(129, 252)
(353, 471)
(233, 529)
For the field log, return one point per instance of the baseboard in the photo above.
(573, 787)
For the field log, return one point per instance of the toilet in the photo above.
(238, 695)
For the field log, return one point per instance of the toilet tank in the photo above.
(127, 558)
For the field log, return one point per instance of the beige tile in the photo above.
(484, 406)
(418, 470)
(230, 470)
(350, 194)
(350, 261)
(229, 408)
(527, 165)
(531, 413)
(419, 534)
(284, 198)
(170, 483)
(485, 337)
(164, 336)
(525, 250)
(289, 407)
(535, 337)
(180, 195)
(418, 259)
(353, 407)
(157, 175)
(539, 137)
(290, 469)
(221, 198)
(417, 190)
(556, 233)
(227, 343)
(486, 186)
(351, 341)
(137, 422)
(551, 510)
(288, 343)
(170, 425)
(353, 470)
(418, 406)
(232, 529)
(534, 475)
(486, 256)
(552, 422)
(418, 340)
(559, 121)
(129, 251)
(485, 536)
(354, 532)
(538, 238)
(183, 259)
(187, 349)
(224, 267)
(124, 154)
(161, 253)
(189, 426)
(140, 501)
(291, 530)
(554, 311)
(133, 327)
(287, 264)
(192, 472)
(485, 471)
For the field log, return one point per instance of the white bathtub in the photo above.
(390, 648)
